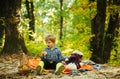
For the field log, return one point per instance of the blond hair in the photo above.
(51, 38)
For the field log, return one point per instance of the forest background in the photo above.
(90, 26)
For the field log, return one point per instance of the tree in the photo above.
(1, 22)
(30, 15)
(105, 41)
(61, 19)
(14, 41)
(112, 30)
(98, 25)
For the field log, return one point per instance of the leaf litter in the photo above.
(9, 69)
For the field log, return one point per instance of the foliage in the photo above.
(47, 21)
(76, 26)
(115, 53)
(35, 47)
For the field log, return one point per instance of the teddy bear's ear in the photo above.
(78, 52)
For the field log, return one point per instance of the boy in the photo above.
(51, 56)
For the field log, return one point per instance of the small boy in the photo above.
(51, 56)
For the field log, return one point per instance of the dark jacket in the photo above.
(54, 55)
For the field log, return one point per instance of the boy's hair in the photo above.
(51, 38)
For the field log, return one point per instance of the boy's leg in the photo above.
(59, 68)
(47, 64)
(39, 68)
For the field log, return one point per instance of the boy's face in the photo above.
(50, 44)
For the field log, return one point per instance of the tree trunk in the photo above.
(1, 22)
(1, 31)
(30, 15)
(98, 25)
(61, 19)
(14, 41)
(111, 32)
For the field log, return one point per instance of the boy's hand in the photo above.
(44, 53)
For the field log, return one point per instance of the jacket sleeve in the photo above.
(60, 57)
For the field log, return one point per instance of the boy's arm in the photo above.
(43, 54)
(60, 57)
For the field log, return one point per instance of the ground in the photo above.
(9, 70)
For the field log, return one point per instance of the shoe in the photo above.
(39, 68)
(59, 68)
